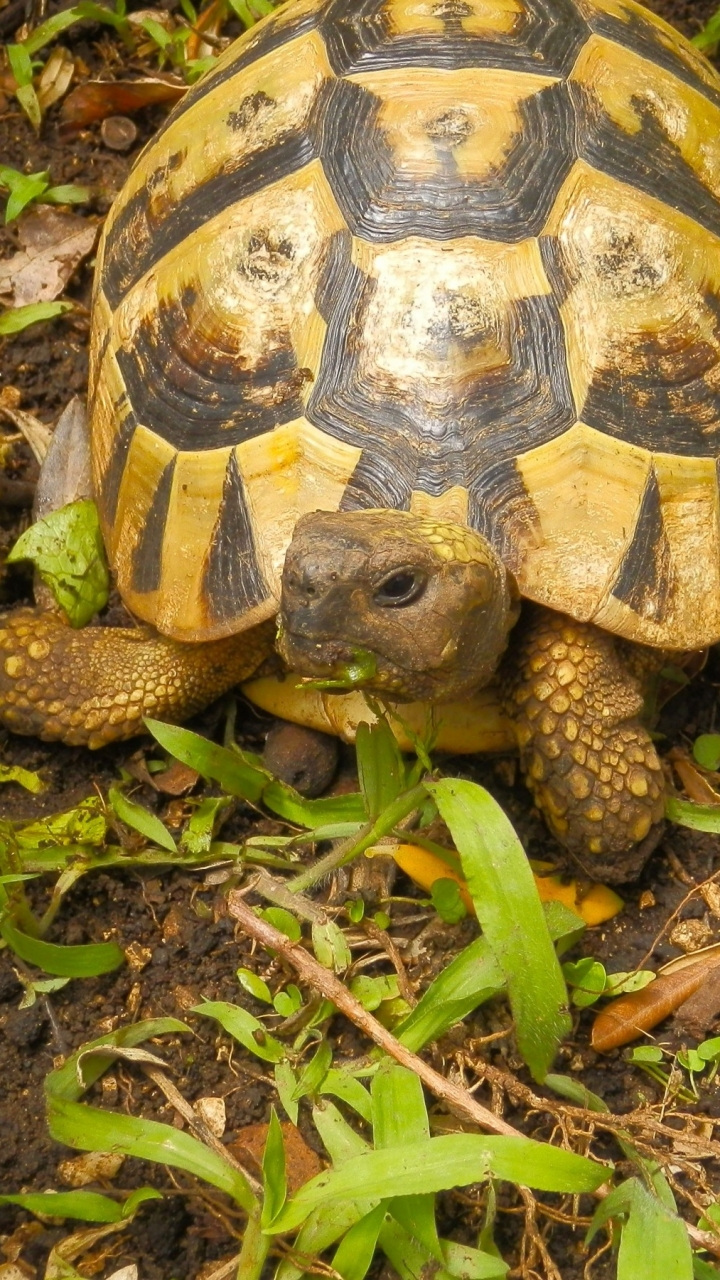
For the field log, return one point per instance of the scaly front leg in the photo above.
(589, 762)
(94, 686)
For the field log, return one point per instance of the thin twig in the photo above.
(197, 1124)
(456, 1099)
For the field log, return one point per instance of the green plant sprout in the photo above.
(28, 188)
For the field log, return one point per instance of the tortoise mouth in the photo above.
(339, 665)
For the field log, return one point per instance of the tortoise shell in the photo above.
(460, 257)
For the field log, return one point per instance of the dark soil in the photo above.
(183, 944)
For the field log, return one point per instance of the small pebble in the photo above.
(118, 133)
(304, 758)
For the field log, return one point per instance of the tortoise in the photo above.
(411, 312)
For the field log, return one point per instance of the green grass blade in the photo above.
(86, 1206)
(355, 1253)
(699, 817)
(454, 1160)
(471, 978)
(273, 1171)
(90, 1129)
(400, 1116)
(137, 816)
(410, 1260)
(85, 961)
(211, 761)
(340, 1083)
(653, 1240)
(510, 912)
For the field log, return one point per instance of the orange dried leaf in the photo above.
(98, 99)
(594, 905)
(629, 1016)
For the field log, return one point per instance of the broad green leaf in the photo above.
(371, 992)
(653, 1241)
(23, 189)
(15, 319)
(625, 982)
(90, 1129)
(137, 816)
(330, 946)
(254, 985)
(341, 1083)
(446, 899)
(67, 962)
(287, 1002)
(706, 750)
(380, 766)
(286, 1083)
(243, 1027)
(646, 1053)
(211, 761)
(473, 977)
(453, 1160)
(355, 1252)
(282, 920)
(24, 777)
(273, 1170)
(709, 1050)
(67, 549)
(312, 1076)
(64, 1083)
(699, 817)
(508, 908)
(588, 978)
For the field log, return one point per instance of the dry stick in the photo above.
(197, 1124)
(457, 1100)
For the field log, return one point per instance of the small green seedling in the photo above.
(15, 319)
(25, 188)
(588, 981)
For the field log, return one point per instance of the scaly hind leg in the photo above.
(589, 762)
(94, 686)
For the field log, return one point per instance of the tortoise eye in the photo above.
(400, 588)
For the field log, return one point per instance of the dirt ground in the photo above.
(184, 941)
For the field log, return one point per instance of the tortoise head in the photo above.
(407, 606)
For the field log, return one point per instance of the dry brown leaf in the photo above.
(56, 77)
(100, 98)
(53, 245)
(302, 1163)
(627, 1017)
(36, 433)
